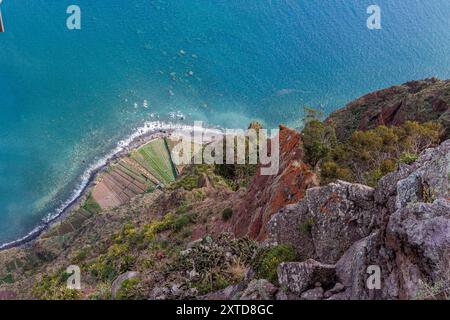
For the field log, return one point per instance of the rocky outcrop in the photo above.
(422, 101)
(327, 222)
(301, 276)
(269, 193)
(259, 290)
(401, 228)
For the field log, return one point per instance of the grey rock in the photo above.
(351, 269)
(430, 181)
(327, 222)
(175, 290)
(313, 294)
(420, 237)
(298, 277)
(159, 293)
(259, 290)
(339, 287)
(387, 186)
(282, 296)
(401, 226)
(343, 213)
(229, 293)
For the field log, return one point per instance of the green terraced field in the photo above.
(75, 220)
(155, 157)
(150, 162)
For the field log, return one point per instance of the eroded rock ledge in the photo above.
(401, 226)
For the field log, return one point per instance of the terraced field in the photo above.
(144, 170)
(75, 220)
(156, 159)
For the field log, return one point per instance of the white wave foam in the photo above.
(148, 128)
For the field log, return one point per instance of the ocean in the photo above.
(67, 97)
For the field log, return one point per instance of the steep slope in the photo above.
(145, 169)
(422, 101)
(401, 227)
(268, 194)
(159, 229)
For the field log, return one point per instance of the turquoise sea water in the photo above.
(67, 97)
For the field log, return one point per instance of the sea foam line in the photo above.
(148, 128)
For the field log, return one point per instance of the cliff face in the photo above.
(425, 100)
(268, 194)
(318, 242)
(401, 227)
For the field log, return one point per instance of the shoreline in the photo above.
(141, 137)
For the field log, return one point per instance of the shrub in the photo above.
(91, 205)
(318, 141)
(218, 262)
(266, 263)
(158, 226)
(227, 214)
(103, 292)
(238, 175)
(54, 287)
(8, 279)
(305, 228)
(81, 255)
(130, 290)
(369, 155)
(408, 158)
(183, 221)
(331, 171)
(117, 260)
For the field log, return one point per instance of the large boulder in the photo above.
(351, 269)
(429, 181)
(298, 277)
(418, 232)
(327, 222)
(419, 235)
(260, 289)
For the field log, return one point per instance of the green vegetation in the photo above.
(8, 279)
(408, 158)
(128, 244)
(130, 290)
(156, 159)
(91, 206)
(238, 175)
(54, 287)
(267, 261)
(368, 155)
(74, 222)
(218, 263)
(35, 259)
(194, 177)
(81, 255)
(305, 228)
(116, 261)
(187, 182)
(181, 222)
(227, 214)
(318, 141)
(103, 292)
